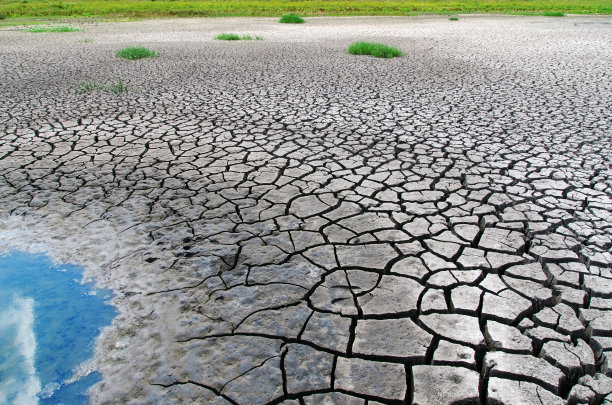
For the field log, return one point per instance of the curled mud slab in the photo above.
(284, 222)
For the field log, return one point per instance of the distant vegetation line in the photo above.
(219, 8)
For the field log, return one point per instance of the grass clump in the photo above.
(118, 87)
(61, 28)
(376, 50)
(292, 19)
(553, 14)
(84, 40)
(88, 86)
(228, 37)
(3, 15)
(236, 37)
(454, 19)
(251, 38)
(137, 52)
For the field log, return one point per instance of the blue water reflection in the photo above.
(48, 324)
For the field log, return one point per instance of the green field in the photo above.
(10, 9)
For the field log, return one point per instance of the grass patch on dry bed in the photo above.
(214, 8)
(88, 86)
(291, 19)
(136, 52)
(376, 50)
(117, 87)
(236, 37)
(61, 28)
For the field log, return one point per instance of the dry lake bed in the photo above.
(282, 222)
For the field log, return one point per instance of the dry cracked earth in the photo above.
(282, 222)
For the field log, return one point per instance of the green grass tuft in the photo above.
(3, 15)
(454, 19)
(137, 52)
(376, 50)
(236, 37)
(292, 19)
(228, 37)
(118, 87)
(61, 28)
(553, 14)
(84, 40)
(88, 86)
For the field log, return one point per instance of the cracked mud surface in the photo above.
(286, 223)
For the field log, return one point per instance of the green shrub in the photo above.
(292, 19)
(376, 50)
(137, 52)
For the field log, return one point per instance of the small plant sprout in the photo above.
(132, 53)
(88, 86)
(376, 50)
(118, 87)
(292, 19)
(61, 28)
(84, 40)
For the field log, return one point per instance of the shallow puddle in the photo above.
(48, 324)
